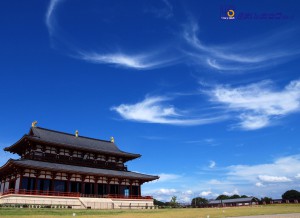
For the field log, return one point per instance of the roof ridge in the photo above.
(65, 133)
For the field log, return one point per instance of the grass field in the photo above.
(160, 213)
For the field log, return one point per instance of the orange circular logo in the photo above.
(230, 13)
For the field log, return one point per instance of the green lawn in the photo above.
(159, 213)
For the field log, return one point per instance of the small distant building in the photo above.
(276, 201)
(56, 167)
(233, 202)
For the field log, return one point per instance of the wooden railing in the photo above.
(129, 196)
(71, 194)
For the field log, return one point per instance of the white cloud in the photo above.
(212, 164)
(189, 192)
(209, 142)
(50, 15)
(259, 184)
(214, 182)
(165, 10)
(166, 191)
(258, 104)
(234, 192)
(154, 59)
(165, 194)
(139, 62)
(165, 177)
(267, 178)
(280, 171)
(152, 110)
(237, 56)
(206, 193)
(252, 122)
(184, 199)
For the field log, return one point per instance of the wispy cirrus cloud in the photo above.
(239, 56)
(235, 56)
(50, 16)
(212, 164)
(155, 110)
(165, 10)
(137, 60)
(258, 104)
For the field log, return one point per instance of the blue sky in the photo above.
(212, 104)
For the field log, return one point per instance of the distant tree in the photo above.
(266, 199)
(173, 202)
(198, 202)
(255, 199)
(291, 194)
(222, 197)
(159, 203)
(234, 197)
(244, 196)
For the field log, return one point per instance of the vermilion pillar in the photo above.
(108, 186)
(68, 182)
(130, 188)
(82, 184)
(52, 181)
(96, 185)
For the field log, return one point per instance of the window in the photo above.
(28, 183)
(111, 159)
(101, 157)
(77, 154)
(60, 186)
(64, 152)
(12, 184)
(89, 188)
(102, 189)
(52, 150)
(75, 187)
(114, 189)
(135, 190)
(44, 185)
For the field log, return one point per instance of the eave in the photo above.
(16, 146)
(53, 167)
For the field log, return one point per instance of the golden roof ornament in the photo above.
(112, 140)
(33, 124)
(76, 133)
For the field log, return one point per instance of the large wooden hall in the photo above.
(55, 165)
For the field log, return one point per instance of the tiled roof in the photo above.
(71, 141)
(80, 170)
(237, 200)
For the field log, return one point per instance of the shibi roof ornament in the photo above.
(33, 124)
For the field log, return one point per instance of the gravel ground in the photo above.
(293, 215)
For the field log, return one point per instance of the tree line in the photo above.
(202, 202)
